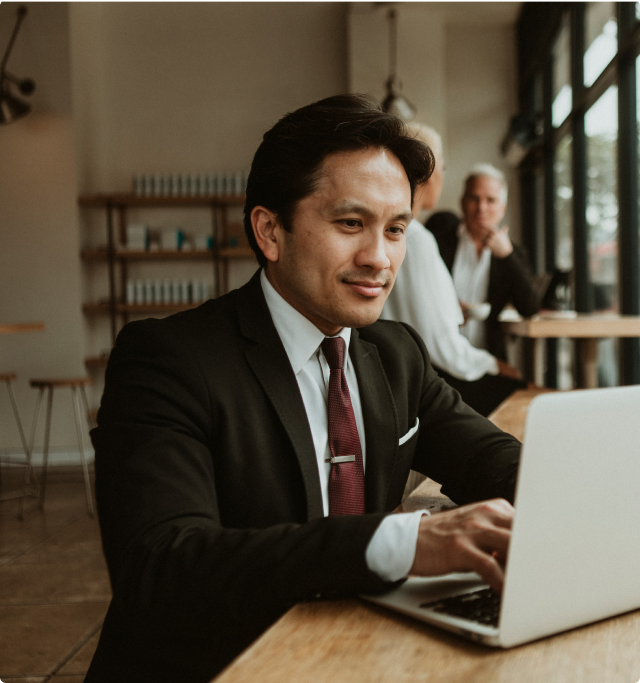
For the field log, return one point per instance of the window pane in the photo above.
(562, 97)
(638, 107)
(564, 251)
(601, 39)
(564, 205)
(601, 127)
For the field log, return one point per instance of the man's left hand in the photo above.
(499, 243)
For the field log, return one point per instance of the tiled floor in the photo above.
(54, 588)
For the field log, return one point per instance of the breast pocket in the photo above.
(410, 434)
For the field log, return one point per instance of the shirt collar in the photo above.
(300, 337)
(465, 236)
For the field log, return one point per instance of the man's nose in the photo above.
(373, 254)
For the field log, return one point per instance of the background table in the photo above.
(15, 328)
(586, 329)
(351, 641)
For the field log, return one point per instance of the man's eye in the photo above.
(396, 230)
(351, 222)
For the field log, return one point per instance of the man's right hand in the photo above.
(507, 370)
(472, 538)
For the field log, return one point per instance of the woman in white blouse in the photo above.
(424, 296)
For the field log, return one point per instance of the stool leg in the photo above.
(83, 457)
(16, 414)
(45, 453)
(32, 437)
(25, 447)
(90, 420)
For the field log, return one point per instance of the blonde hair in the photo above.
(429, 136)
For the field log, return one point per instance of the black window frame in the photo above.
(537, 31)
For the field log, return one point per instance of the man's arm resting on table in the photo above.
(521, 283)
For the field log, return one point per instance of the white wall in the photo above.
(457, 62)
(193, 86)
(189, 87)
(39, 266)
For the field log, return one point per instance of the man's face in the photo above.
(483, 207)
(339, 262)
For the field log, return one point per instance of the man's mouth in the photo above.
(366, 287)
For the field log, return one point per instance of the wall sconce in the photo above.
(11, 107)
(523, 134)
(395, 103)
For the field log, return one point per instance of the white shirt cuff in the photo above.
(392, 547)
(495, 368)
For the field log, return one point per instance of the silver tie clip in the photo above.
(341, 458)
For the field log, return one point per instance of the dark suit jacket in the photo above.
(208, 488)
(510, 279)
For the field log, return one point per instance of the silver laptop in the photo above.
(574, 555)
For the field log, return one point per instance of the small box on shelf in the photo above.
(223, 184)
(166, 292)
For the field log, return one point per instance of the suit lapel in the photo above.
(269, 361)
(380, 420)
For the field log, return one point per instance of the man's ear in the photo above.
(266, 228)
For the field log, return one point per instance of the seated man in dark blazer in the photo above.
(485, 264)
(249, 452)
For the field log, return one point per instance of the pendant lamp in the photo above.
(13, 108)
(395, 102)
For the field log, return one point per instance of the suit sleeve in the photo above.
(460, 449)
(177, 572)
(518, 276)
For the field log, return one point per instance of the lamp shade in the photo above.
(397, 104)
(11, 108)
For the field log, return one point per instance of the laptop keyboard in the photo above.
(482, 606)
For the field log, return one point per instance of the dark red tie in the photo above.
(346, 481)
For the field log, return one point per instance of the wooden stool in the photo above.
(8, 378)
(49, 385)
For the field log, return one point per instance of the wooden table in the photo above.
(351, 641)
(586, 329)
(15, 328)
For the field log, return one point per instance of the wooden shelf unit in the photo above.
(96, 361)
(124, 199)
(195, 255)
(125, 255)
(117, 257)
(137, 309)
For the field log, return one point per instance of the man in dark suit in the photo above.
(485, 264)
(224, 486)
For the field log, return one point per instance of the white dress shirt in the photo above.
(392, 548)
(471, 280)
(424, 296)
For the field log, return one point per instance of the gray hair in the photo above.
(429, 136)
(489, 171)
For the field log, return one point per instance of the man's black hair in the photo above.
(286, 166)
